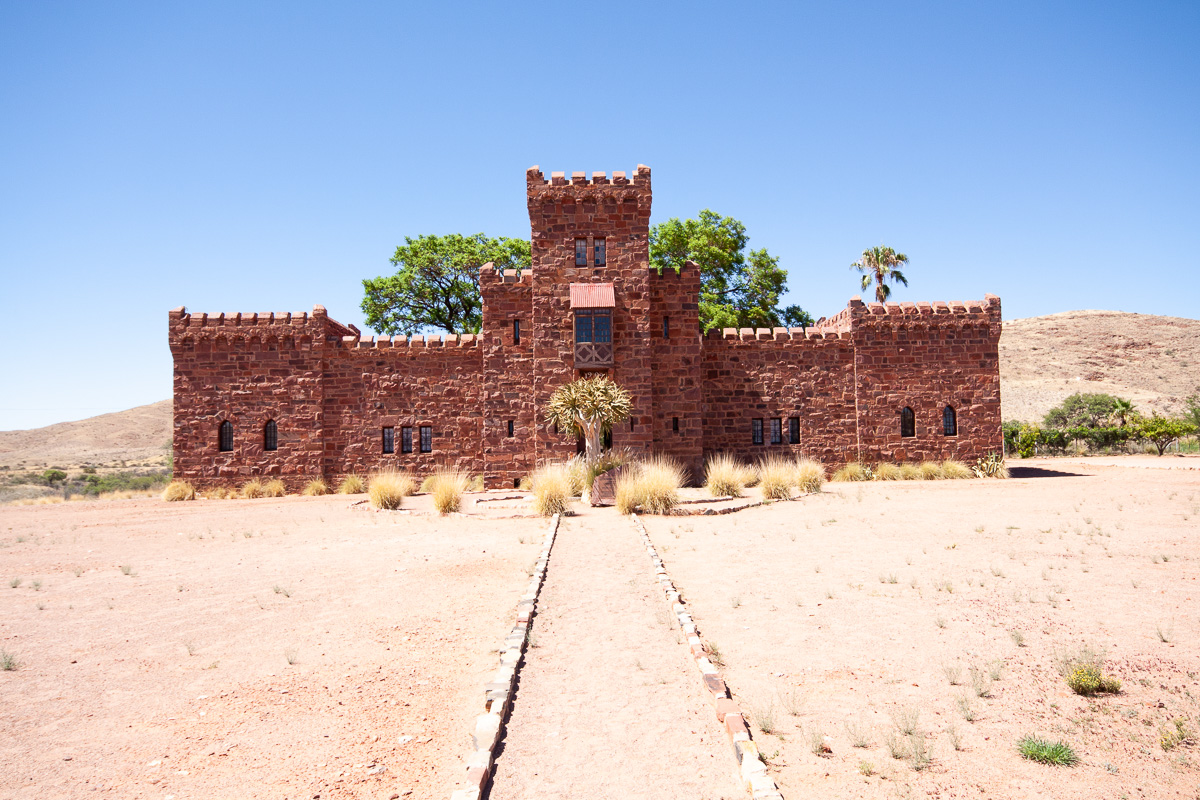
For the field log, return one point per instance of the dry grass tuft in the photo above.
(651, 486)
(221, 493)
(930, 471)
(551, 489)
(775, 478)
(352, 484)
(887, 472)
(274, 488)
(389, 487)
(315, 488)
(853, 471)
(809, 475)
(448, 486)
(910, 472)
(724, 476)
(178, 490)
(252, 489)
(956, 470)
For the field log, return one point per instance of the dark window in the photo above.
(777, 431)
(593, 326)
(794, 430)
(389, 440)
(426, 439)
(516, 331)
(949, 422)
(270, 436)
(581, 252)
(510, 427)
(225, 437)
(516, 483)
(406, 440)
(598, 250)
(675, 424)
(666, 327)
(756, 431)
(606, 441)
(908, 422)
(631, 423)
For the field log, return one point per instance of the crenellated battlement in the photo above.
(775, 334)
(535, 179)
(430, 342)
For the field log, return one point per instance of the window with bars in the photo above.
(581, 252)
(600, 257)
(389, 440)
(908, 422)
(949, 421)
(270, 436)
(593, 326)
(756, 431)
(777, 431)
(794, 430)
(406, 440)
(426, 439)
(225, 437)
(516, 331)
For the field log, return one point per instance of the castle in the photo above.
(301, 396)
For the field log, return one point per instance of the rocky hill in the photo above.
(1155, 361)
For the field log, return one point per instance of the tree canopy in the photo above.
(881, 264)
(589, 407)
(1082, 410)
(436, 285)
(738, 288)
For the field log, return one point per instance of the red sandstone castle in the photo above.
(300, 396)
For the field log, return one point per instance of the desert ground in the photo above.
(307, 647)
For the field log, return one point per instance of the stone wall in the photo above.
(507, 377)
(678, 359)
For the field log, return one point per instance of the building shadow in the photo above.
(1042, 472)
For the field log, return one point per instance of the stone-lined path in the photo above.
(608, 704)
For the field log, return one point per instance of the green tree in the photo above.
(881, 264)
(1162, 431)
(1192, 412)
(796, 317)
(738, 288)
(53, 476)
(436, 285)
(589, 407)
(1082, 410)
(1122, 411)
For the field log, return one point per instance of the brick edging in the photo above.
(753, 770)
(498, 692)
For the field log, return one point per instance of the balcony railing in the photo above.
(589, 355)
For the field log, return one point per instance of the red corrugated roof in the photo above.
(592, 295)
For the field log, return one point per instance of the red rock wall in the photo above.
(677, 374)
(507, 376)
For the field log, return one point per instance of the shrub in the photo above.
(810, 475)
(931, 471)
(252, 489)
(853, 471)
(955, 470)
(315, 488)
(775, 478)
(910, 472)
(448, 488)
(651, 486)
(1057, 753)
(1083, 671)
(388, 488)
(551, 489)
(577, 474)
(352, 484)
(274, 488)
(221, 493)
(992, 466)
(1175, 734)
(724, 476)
(887, 472)
(609, 460)
(178, 490)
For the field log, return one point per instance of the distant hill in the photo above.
(139, 436)
(1155, 361)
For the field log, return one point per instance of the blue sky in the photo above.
(269, 156)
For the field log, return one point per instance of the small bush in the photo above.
(388, 488)
(1083, 671)
(352, 484)
(274, 488)
(931, 471)
(551, 489)
(910, 472)
(1059, 754)
(1173, 735)
(448, 488)
(651, 486)
(991, 467)
(724, 476)
(315, 488)
(577, 475)
(887, 472)
(810, 475)
(955, 470)
(177, 491)
(775, 479)
(853, 471)
(252, 489)
(8, 661)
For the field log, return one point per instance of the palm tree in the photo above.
(1122, 410)
(880, 263)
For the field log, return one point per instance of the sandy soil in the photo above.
(838, 613)
(174, 680)
(609, 703)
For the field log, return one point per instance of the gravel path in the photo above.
(609, 703)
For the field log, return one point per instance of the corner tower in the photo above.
(591, 288)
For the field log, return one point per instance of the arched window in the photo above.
(225, 437)
(908, 422)
(949, 421)
(270, 436)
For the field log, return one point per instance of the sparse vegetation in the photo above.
(8, 661)
(388, 488)
(551, 489)
(906, 719)
(1046, 752)
(853, 471)
(352, 484)
(252, 489)
(650, 486)
(956, 470)
(775, 478)
(315, 488)
(1083, 670)
(725, 476)
(931, 471)
(274, 488)
(810, 475)
(177, 491)
(448, 487)
(888, 472)
(1174, 734)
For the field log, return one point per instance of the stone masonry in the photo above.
(835, 392)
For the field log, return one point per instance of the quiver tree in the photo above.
(589, 407)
